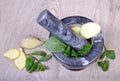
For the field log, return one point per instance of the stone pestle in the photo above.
(60, 30)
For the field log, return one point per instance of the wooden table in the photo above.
(18, 20)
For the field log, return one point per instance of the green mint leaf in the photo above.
(104, 65)
(29, 62)
(110, 54)
(85, 50)
(100, 63)
(66, 54)
(38, 67)
(67, 51)
(34, 67)
(45, 58)
(53, 44)
(74, 53)
(41, 53)
(42, 67)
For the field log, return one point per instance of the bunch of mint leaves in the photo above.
(54, 44)
(33, 64)
(105, 58)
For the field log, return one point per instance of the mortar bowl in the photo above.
(79, 63)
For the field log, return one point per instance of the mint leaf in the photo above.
(38, 67)
(85, 50)
(34, 67)
(53, 44)
(67, 51)
(100, 63)
(45, 58)
(42, 67)
(41, 53)
(104, 65)
(29, 62)
(74, 53)
(110, 54)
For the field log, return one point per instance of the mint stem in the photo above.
(35, 58)
(105, 47)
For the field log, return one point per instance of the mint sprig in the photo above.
(53, 44)
(105, 59)
(33, 64)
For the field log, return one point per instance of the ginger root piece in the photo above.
(76, 29)
(12, 54)
(90, 30)
(20, 61)
(31, 42)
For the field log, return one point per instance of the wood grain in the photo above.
(18, 20)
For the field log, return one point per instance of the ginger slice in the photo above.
(20, 61)
(76, 29)
(31, 42)
(90, 30)
(12, 54)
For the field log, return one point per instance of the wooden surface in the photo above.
(18, 20)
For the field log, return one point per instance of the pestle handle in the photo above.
(60, 30)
